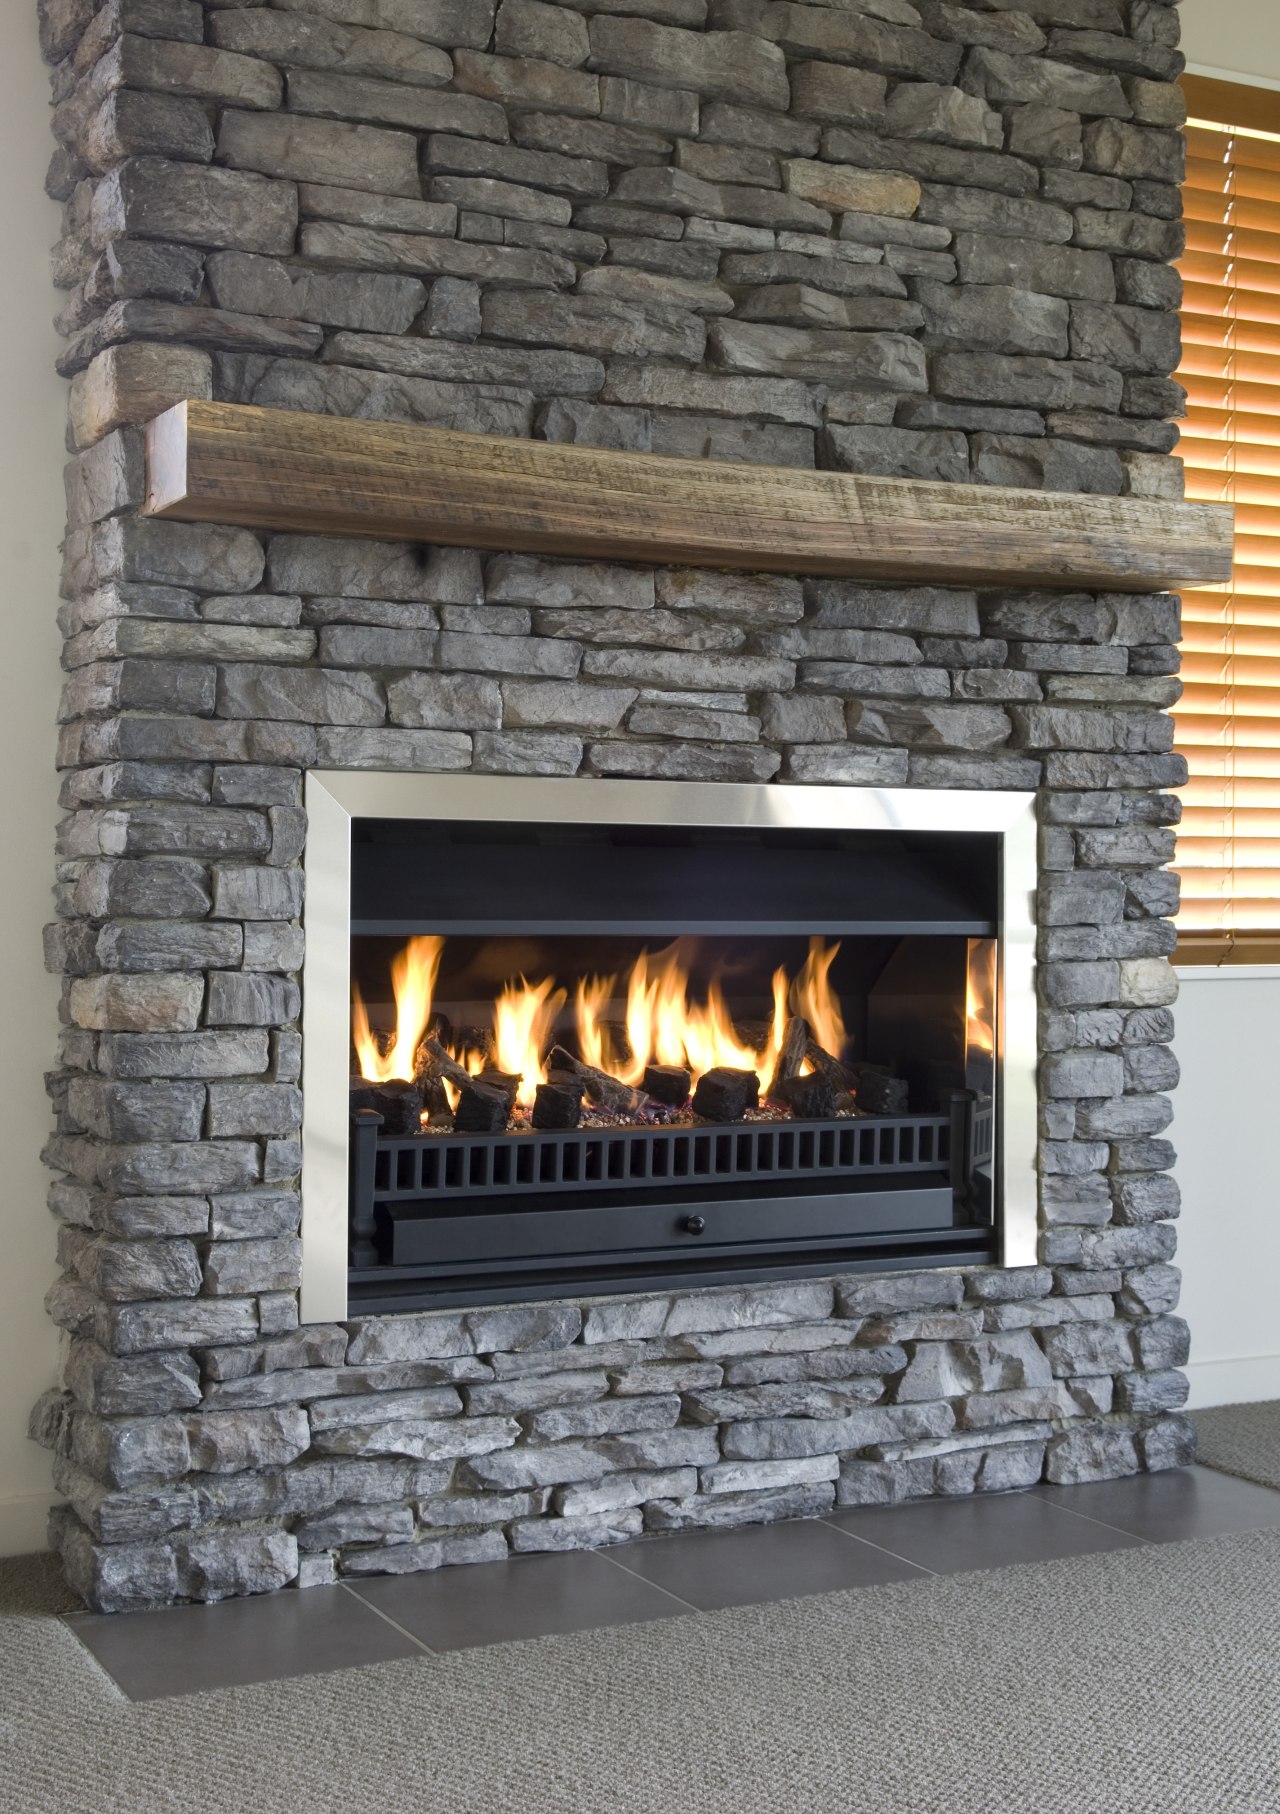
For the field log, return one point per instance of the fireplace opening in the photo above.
(595, 1056)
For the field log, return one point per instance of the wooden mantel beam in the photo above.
(277, 469)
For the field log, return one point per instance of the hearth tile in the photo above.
(528, 1597)
(713, 1569)
(191, 1649)
(949, 1536)
(1173, 1506)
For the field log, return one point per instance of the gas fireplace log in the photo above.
(838, 1075)
(505, 1081)
(557, 1105)
(399, 1102)
(811, 1098)
(878, 1093)
(667, 1083)
(724, 1094)
(605, 1091)
(795, 1043)
(482, 1109)
(434, 1062)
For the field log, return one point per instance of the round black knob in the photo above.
(694, 1225)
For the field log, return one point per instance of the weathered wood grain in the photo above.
(277, 469)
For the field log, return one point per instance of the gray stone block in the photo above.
(1043, 81)
(1141, 340)
(787, 1439)
(535, 1392)
(929, 111)
(885, 361)
(422, 1439)
(989, 1364)
(936, 454)
(155, 199)
(588, 1530)
(227, 1442)
(243, 1000)
(725, 66)
(594, 324)
(305, 695)
(564, 705)
(728, 1510)
(616, 1491)
(923, 1325)
(428, 1552)
(1096, 1452)
(526, 753)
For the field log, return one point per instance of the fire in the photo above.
(814, 1000)
(665, 1026)
(523, 1017)
(665, 1023)
(413, 980)
(980, 998)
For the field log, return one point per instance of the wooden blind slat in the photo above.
(1228, 719)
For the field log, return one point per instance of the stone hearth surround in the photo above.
(907, 238)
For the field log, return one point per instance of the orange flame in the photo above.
(523, 1017)
(413, 980)
(813, 998)
(980, 997)
(664, 1026)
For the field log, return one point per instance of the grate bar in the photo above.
(475, 1166)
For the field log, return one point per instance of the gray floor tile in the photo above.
(948, 1536)
(188, 1649)
(528, 1597)
(762, 1562)
(1169, 1507)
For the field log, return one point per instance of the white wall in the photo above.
(1233, 38)
(32, 405)
(1227, 1132)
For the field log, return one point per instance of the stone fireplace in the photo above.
(612, 1034)
(898, 237)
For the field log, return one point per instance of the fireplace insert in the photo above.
(659, 1046)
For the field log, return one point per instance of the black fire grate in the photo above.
(508, 1164)
(393, 1168)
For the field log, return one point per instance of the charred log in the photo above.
(482, 1109)
(879, 1093)
(605, 1091)
(557, 1105)
(399, 1102)
(811, 1098)
(724, 1094)
(434, 1063)
(506, 1081)
(839, 1075)
(667, 1083)
(795, 1043)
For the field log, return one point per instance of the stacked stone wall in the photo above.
(910, 238)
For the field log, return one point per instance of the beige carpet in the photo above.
(1141, 1682)
(1242, 1440)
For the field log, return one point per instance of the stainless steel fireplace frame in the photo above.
(334, 799)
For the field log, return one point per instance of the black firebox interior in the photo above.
(443, 1217)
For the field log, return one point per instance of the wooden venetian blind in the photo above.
(1228, 722)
